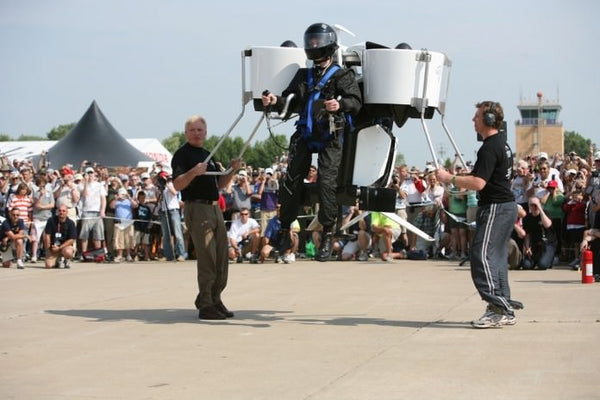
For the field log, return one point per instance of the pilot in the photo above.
(327, 97)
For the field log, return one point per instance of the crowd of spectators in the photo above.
(135, 214)
(120, 214)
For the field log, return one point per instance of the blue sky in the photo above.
(151, 64)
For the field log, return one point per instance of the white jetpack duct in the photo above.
(272, 68)
(401, 77)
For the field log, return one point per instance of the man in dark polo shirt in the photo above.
(203, 217)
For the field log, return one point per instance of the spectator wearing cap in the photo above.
(93, 206)
(569, 180)
(538, 185)
(241, 194)
(151, 191)
(5, 170)
(124, 178)
(552, 171)
(67, 193)
(123, 235)
(170, 219)
(269, 197)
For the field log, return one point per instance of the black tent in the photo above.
(94, 139)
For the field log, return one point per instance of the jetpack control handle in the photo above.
(286, 105)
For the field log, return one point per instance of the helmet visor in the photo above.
(318, 40)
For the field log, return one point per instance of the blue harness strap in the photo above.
(315, 94)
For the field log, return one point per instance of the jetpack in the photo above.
(396, 83)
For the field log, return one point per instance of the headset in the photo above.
(489, 117)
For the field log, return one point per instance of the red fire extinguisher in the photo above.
(587, 266)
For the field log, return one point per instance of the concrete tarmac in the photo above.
(308, 330)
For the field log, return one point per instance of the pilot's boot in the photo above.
(324, 252)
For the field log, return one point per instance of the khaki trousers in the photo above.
(207, 230)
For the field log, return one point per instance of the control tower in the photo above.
(539, 129)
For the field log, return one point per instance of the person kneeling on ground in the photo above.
(59, 235)
(385, 232)
(244, 238)
(272, 240)
(12, 237)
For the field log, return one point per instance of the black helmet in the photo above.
(288, 43)
(320, 41)
(403, 46)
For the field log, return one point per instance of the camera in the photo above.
(57, 237)
(161, 180)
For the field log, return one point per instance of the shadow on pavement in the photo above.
(252, 318)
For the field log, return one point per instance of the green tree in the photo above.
(400, 160)
(573, 141)
(60, 131)
(175, 141)
(263, 153)
(4, 137)
(30, 138)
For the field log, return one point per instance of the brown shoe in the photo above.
(223, 310)
(210, 312)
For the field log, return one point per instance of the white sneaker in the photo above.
(34, 259)
(493, 319)
(363, 256)
(129, 259)
(289, 258)
(20, 264)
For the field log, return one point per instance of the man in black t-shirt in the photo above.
(59, 235)
(203, 217)
(497, 211)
